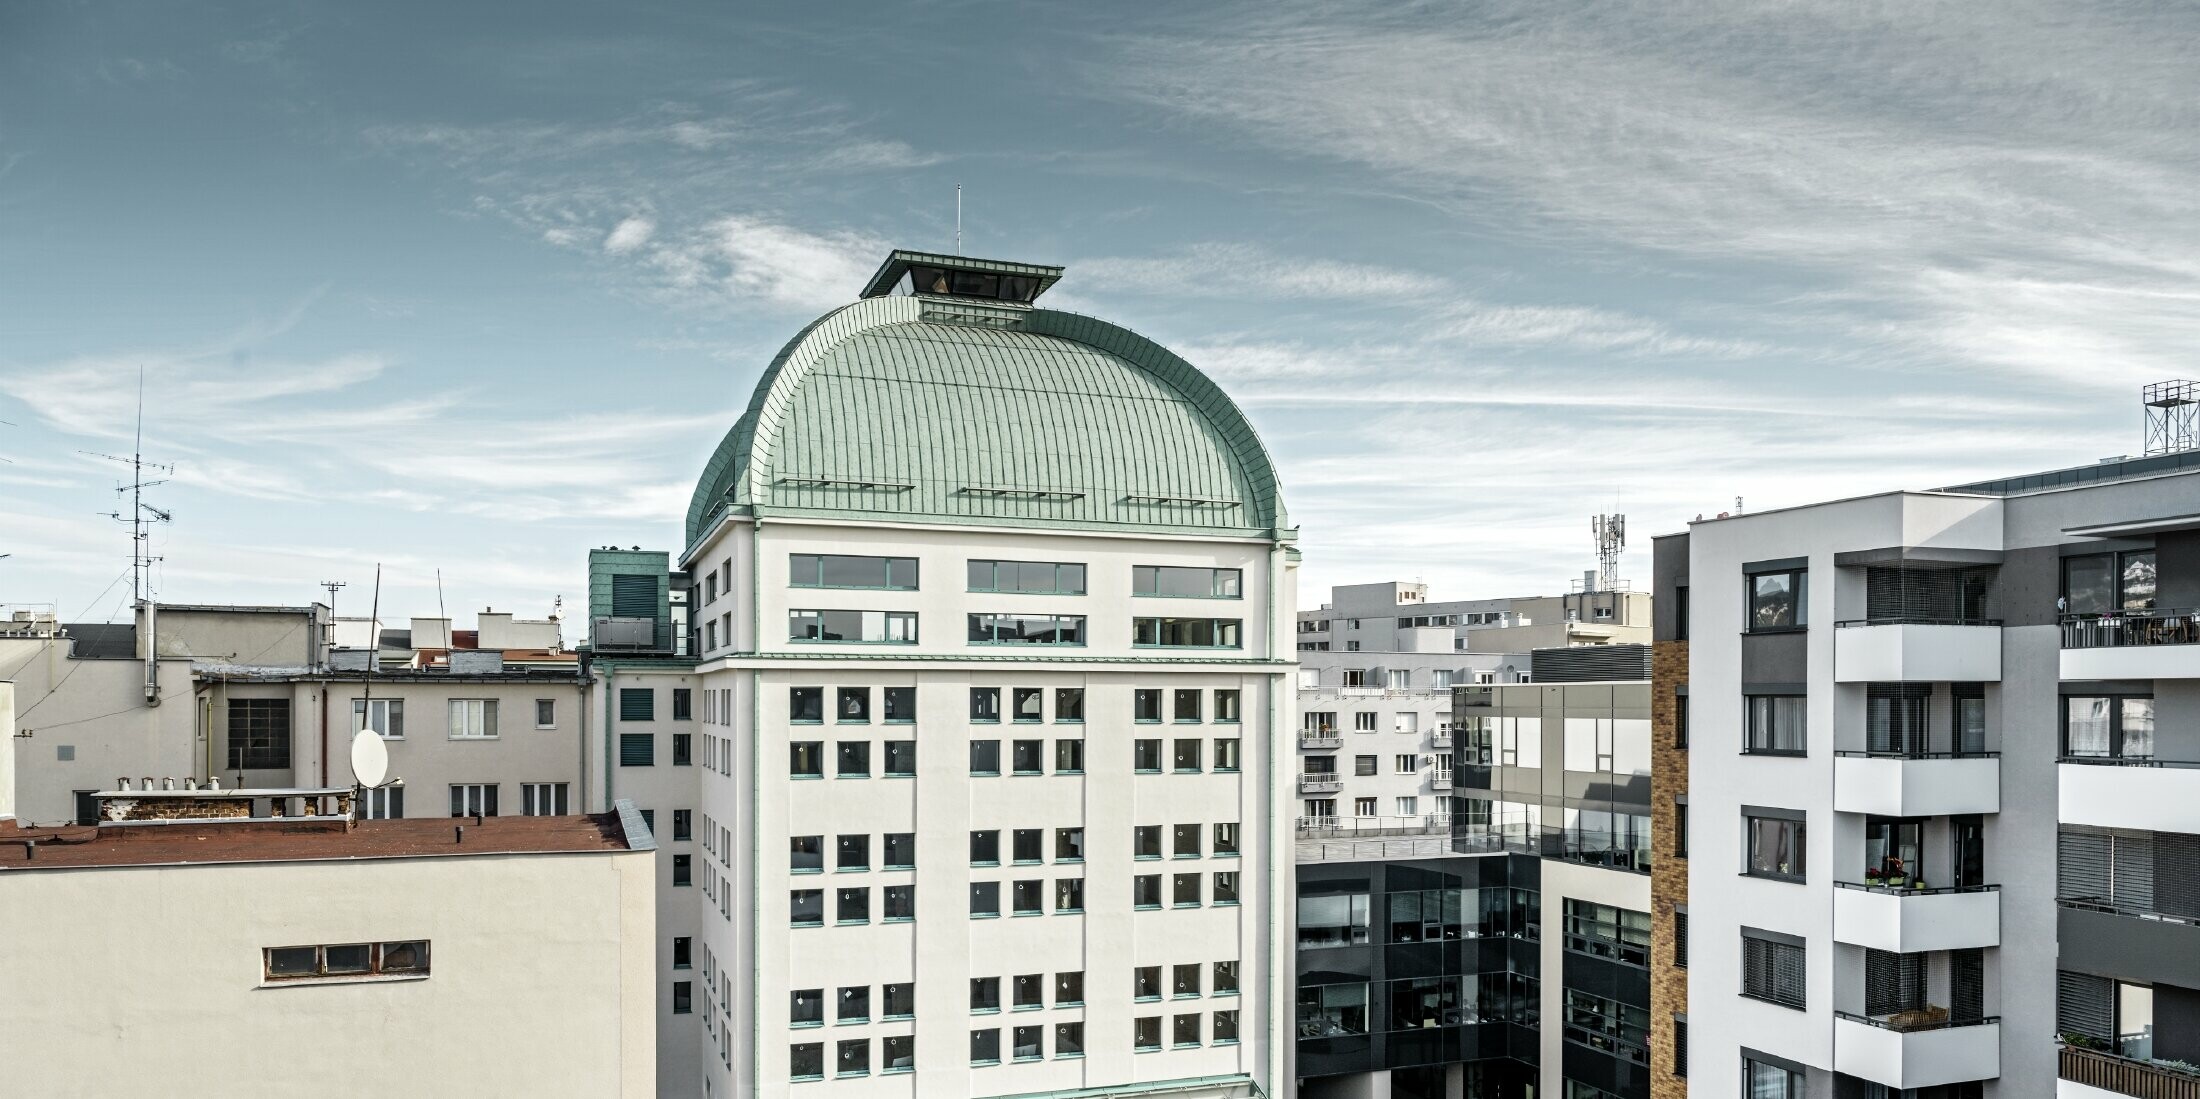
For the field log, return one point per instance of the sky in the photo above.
(470, 288)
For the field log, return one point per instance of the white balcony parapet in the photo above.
(1917, 652)
(1906, 921)
(1916, 785)
(1913, 1050)
(2145, 794)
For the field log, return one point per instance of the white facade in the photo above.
(752, 806)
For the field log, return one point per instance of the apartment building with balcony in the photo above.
(993, 655)
(1397, 616)
(1884, 696)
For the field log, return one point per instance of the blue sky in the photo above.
(446, 287)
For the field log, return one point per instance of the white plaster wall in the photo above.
(536, 985)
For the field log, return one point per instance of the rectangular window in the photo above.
(637, 749)
(385, 716)
(543, 799)
(1398, 679)
(387, 803)
(824, 570)
(853, 1058)
(1069, 705)
(1146, 982)
(1761, 1080)
(900, 903)
(1027, 629)
(1334, 920)
(985, 704)
(852, 853)
(1186, 633)
(474, 799)
(1146, 757)
(1226, 887)
(1184, 891)
(1778, 600)
(1226, 707)
(1146, 1033)
(1333, 1010)
(805, 705)
(1407, 764)
(683, 952)
(985, 757)
(1146, 841)
(473, 718)
(1776, 725)
(259, 734)
(546, 713)
(1226, 1028)
(1187, 706)
(1363, 807)
(2108, 727)
(1363, 766)
(1069, 989)
(1363, 723)
(806, 907)
(1027, 577)
(1226, 840)
(1069, 757)
(1775, 847)
(901, 759)
(852, 705)
(1186, 582)
(683, 870)
(806, 854)
(1226, 754)
(900, 850)
(985, 1047)
(1186, 757)
(2105, 583)
(1408, 806)
(900, 705)
(1146, 704)
(1027, 1043)
(850, 906)
(1680, 720)
(1772, 968)
(985, 848)
(1604, 931)
(1226, 978)
(899, 1053)
(683, 749)
(1069, 845)
(683, 704)
(985, 995)
(1024, 898)
(1027, 757)
(806, 1007)
(344, 961)
(1186, 1031)
(1146, 891)
(683, 824)
(1069, 1040)
(863, 627)
(806, 759)
(1069, 894)
(806, 1061)
(985, 898)
(637, 704)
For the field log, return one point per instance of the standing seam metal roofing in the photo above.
(902, 416)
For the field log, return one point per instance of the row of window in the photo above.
(900, 628)
(852, 758)
(1026, 705)
(1402, 806)
(1417, 916)
(640, 704)
(469, 799)
(640, 749)
(1028, 897)
(824, 570)
(345, 961)
(1324, 722)
(853, 1004)
(465, 718)
(852, 1057)
(1418, 1004)
(1392, 679)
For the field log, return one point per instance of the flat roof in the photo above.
(76, 846)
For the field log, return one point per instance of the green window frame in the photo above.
(1187, 582)
(1027, 577)
(1187, 633)
(851, 572)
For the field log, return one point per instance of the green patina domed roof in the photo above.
(930, 408)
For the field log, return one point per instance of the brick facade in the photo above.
(1669, 872)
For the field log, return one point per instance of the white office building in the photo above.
(992, 638)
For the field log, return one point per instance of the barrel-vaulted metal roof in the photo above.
(937, 410)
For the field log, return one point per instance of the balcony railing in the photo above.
(1440, 781)
(2137, 912)
(1916, 620)
(2123, 629)
(1441, 740)
(1317, 782)
(2142, 1079)
(1320, 741)
(2127, 761)
(1920, 753)
(1913, 891)
(1918, 1019)
(1427, 824)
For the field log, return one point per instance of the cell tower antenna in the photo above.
(1611, 536)
(142, 516)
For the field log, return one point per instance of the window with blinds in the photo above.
(1680, 938)
(1893, 983)
(2129, 871)
(1680, 1046)
(2085, 1005)
(1772, 969)
(1967, 986)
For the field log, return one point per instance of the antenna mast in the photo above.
(142, 515)
(958, 219)
(1611, 536)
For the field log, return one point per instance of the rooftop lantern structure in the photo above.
(2173, 415)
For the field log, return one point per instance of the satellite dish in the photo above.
(370, 761)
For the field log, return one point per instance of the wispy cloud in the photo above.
(1245, 271)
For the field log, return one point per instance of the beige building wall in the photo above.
(540, 981)
(81, 724)
(284, 636)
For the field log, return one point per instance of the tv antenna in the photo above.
(141, 516)
(1611, 536)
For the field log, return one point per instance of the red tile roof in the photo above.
(276, 841)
